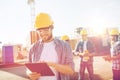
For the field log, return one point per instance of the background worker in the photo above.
(85, 49)
(65, 38)
(115, 54)
(56, 53)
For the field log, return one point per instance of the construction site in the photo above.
(13, 56)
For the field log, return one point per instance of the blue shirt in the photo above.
(89, 46)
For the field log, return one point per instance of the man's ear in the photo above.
(52, 27)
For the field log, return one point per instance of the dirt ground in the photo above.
(102, 71)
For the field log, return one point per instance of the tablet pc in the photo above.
(41, 68)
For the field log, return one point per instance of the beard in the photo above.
(47, 38)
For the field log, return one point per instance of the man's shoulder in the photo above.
(60, 42)
(89, 41)
(36, 44)
(80, 42)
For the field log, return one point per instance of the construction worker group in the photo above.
(58, 55)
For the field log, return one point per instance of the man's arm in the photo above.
(109, 58)
(115, 57)
(64, 69)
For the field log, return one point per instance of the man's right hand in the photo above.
(34, 75)
(107, 58)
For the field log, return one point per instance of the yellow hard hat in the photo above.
(65, 37)
(43, 20)
(114, 32)
(83, 32)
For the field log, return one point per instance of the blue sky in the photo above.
(15, 19)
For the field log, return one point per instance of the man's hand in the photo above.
(51, 64)
(34, 75)
(107, 58)
(86, 53)
(62, 68)
(81, 54)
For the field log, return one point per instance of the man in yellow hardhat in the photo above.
(56, 53)
(65, 38)
(86, 50)
(115, 53)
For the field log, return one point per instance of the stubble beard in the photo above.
(47, 38)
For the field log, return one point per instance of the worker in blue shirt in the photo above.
(86, 50)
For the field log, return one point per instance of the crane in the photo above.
(32, 8)
(33, 34)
